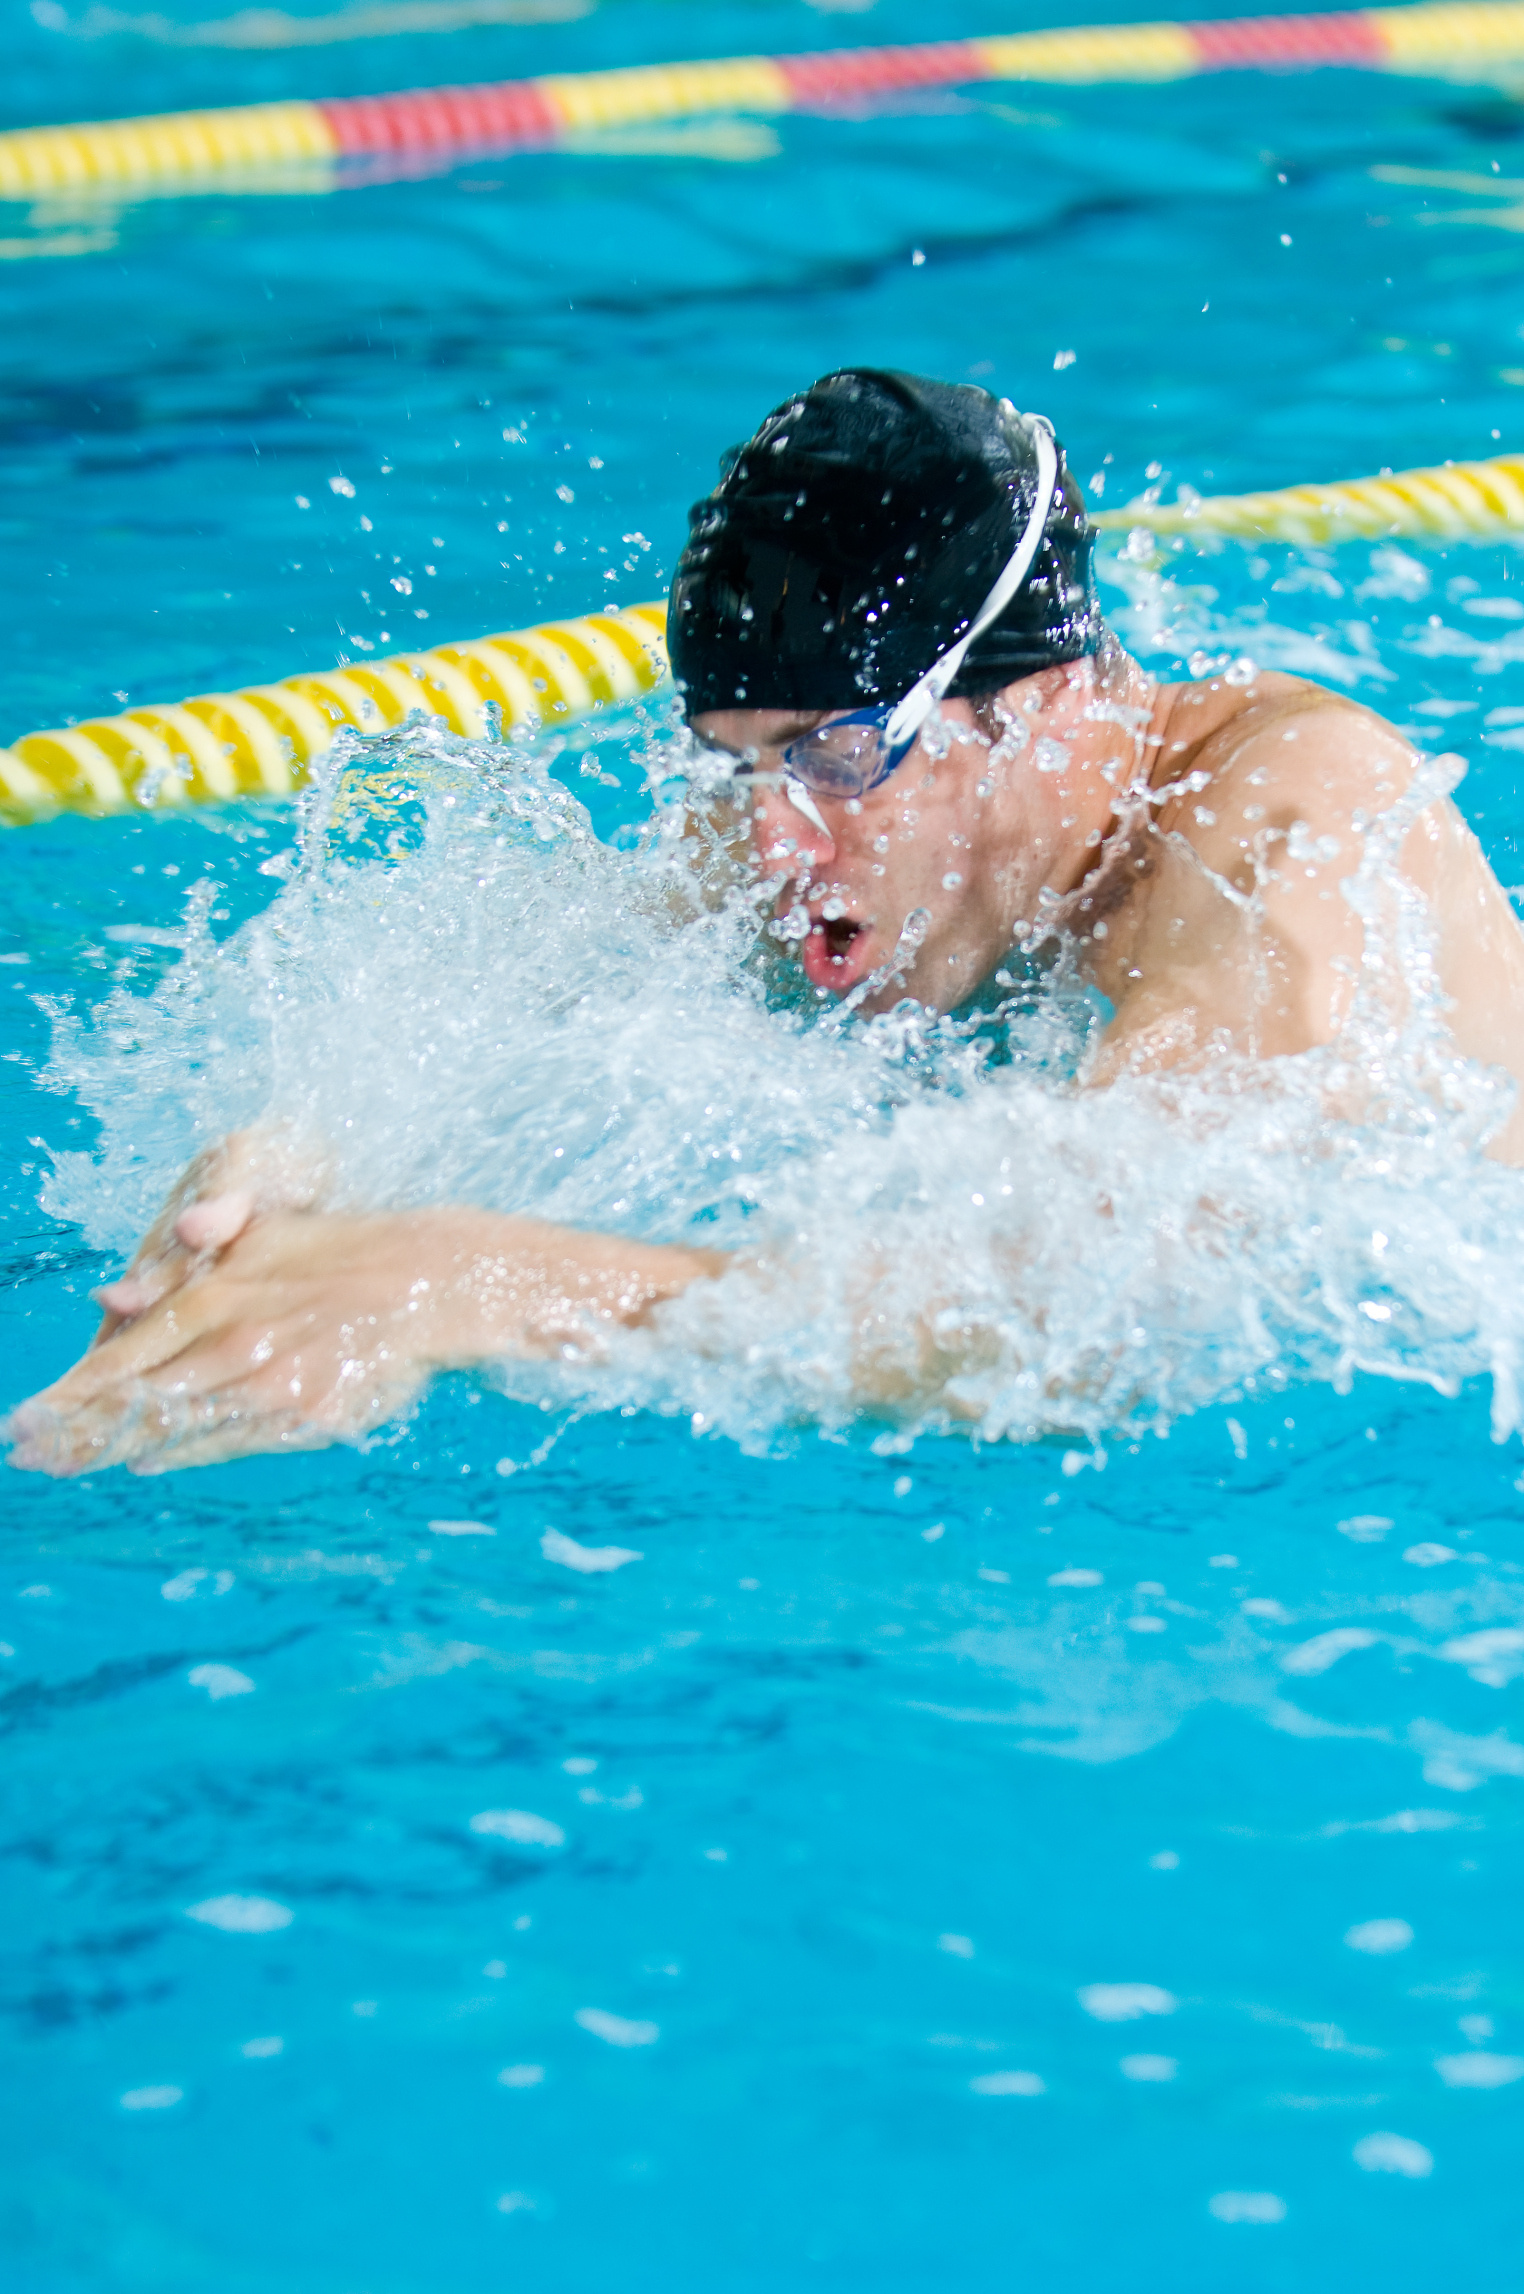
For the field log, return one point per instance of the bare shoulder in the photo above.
(1282, 752)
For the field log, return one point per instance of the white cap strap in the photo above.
(923, 696)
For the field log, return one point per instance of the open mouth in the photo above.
(835, 953)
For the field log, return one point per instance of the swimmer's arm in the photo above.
(309, 1328)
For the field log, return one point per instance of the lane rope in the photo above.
(1457, 502)
(432, 127)
(260, 742)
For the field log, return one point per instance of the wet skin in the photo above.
(1192, 841)
(854, 874)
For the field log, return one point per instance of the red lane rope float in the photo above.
(1257, 41)
(442, 119)
(843, 73)
(1446, 38)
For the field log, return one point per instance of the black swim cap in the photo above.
(855, 537)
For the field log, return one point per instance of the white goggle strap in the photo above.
(923, 696)
(801, 800)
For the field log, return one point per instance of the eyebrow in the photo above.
(781, 737)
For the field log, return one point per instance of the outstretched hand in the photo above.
(212, 1202)
(242, 1330)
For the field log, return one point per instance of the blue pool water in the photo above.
(1079, 1860)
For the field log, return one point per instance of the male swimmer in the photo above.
(885, 631)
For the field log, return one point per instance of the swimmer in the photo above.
(894, 669)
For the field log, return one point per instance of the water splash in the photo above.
(460, 993)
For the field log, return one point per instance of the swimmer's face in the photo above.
(941, 836)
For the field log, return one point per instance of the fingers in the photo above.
(247, 1428)
(220, 1400)
(210, 1205)
(284, 1323)
(147, 1342)
(133, 1294)
(215, 1221)
(238, 1438)
(152, 1275)
(68, 1442)
(146, 1427)
(124, 1298)
(118, 1309)
(154, 1434)
(212, 1172)
(168, 1254)
(246, 1308)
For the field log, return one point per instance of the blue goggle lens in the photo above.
(846, 756)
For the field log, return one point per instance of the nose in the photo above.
(782, 829)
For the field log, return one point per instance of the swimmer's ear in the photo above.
(218, 1220)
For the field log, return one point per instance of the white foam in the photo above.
(1492, 1656)
(1388, 2154)
(1460, 1763)
(519, 1825)
(1247, 2206)
(1378, 1937)
(1125, 2002)
(1325, 1649)
(220, 1681)
(152, 2098)
(617, 2030)
(242, 1915)
(1480, 2070)
(1008, 2083)
(587, 1560)
(461, 995)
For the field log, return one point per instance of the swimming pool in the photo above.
(1080, 1859)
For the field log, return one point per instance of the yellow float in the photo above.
(260, 742)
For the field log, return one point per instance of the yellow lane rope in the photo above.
(260, 742)
(425, 129)
(1458, 500)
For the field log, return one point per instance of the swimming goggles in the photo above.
(852, 753)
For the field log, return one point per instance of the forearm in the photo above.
(490, 1284)
(308, 1326)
